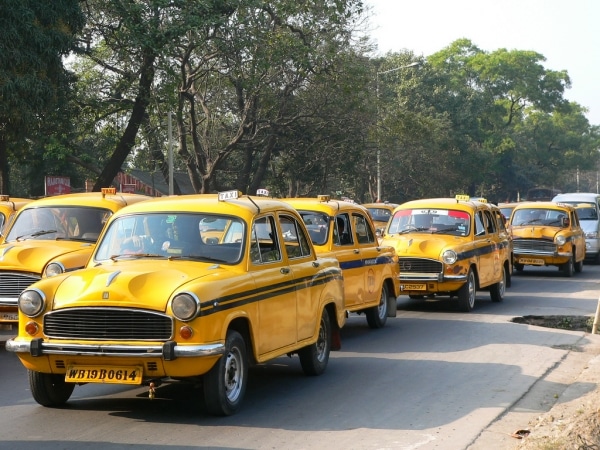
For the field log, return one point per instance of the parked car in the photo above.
(380, 213)
(50, 236)
(506, 209)
(157, 302)
(345, 231)
(8, 208)
(547, 234)
(451, 246)
(587, 205)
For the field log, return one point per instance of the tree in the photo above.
(34, 37)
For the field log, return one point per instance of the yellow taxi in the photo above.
(380, 213)
(344, 230)
(159, 302)
(547, 234)
(50, 236)
(451, 246)
(8, 207)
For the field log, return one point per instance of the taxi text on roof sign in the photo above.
(228, 195)
(262, 192)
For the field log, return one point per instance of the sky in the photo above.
(566, 33)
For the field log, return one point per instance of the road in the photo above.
(433, 378)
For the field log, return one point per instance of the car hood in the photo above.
(535, 232)
(33, 256)
(417, 244)
(146, 284)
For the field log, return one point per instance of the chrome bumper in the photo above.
(168, 351)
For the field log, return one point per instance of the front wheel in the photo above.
(314, 357)
(569, 267)
(497, 290)
(377, 315)
(49, 389)
(579, 266)
(225, 383)
(466, 294)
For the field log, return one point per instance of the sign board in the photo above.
(128, 188)
(56, 185)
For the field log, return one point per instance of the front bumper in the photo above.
(168, 351)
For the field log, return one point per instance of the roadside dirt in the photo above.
(574, 420)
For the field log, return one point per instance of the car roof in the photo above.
(97, 199)
(330, 207)
(543, 205)
(243, 206)
(450, 203)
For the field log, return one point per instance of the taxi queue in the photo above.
(202, 286)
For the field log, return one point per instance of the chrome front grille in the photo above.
(419, 265)
(13, 283)
(104, 324)
(534, 246)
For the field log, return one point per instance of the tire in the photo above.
(225, 384)
(498, 290)
(314, 357)
(49, 389)
(579, 266)
(518, 267)
(568, 268)
(377, 315)
(467, 293)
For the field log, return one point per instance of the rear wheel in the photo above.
(225, 383)
(49, 389)
(466, 294)
(314, 357)
(497, 290)
(377, 315)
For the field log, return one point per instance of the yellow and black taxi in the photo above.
(50, 236)
(380, 213)
(547, 234)
(8, 208)
(160, 302)
(451, 246)
(345, 231)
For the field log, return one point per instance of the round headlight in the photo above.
(31, 302)
(185, 307)
(54, 269)
(449, 256)
(560, 240)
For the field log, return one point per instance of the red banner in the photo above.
(57, 185)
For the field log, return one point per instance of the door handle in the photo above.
(285, 270)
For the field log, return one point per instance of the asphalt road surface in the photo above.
(433, 378)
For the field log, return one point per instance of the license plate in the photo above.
(104, 374)
(531, 261)
(413, 287)
(9, 317)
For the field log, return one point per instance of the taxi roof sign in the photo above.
(324, 198)
(108, 191)
(4, 198)
(229, 195)
(262, 192)
(462, 198)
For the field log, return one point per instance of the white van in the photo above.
(588, 210)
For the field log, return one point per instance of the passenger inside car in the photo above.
(342, 236)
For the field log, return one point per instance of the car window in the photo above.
(342, 233)
(423, 220)
(264, 245)
(295, 241)
(364, 232)
(59, 222)
(317, 225)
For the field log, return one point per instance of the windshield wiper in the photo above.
(36, 234)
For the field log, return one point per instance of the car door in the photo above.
(368, 252)
(275, 280)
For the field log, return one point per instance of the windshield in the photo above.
(538, 216)
(59, 222)
(585, 210)
(174, 235)
(439, 221)
(380, 214)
